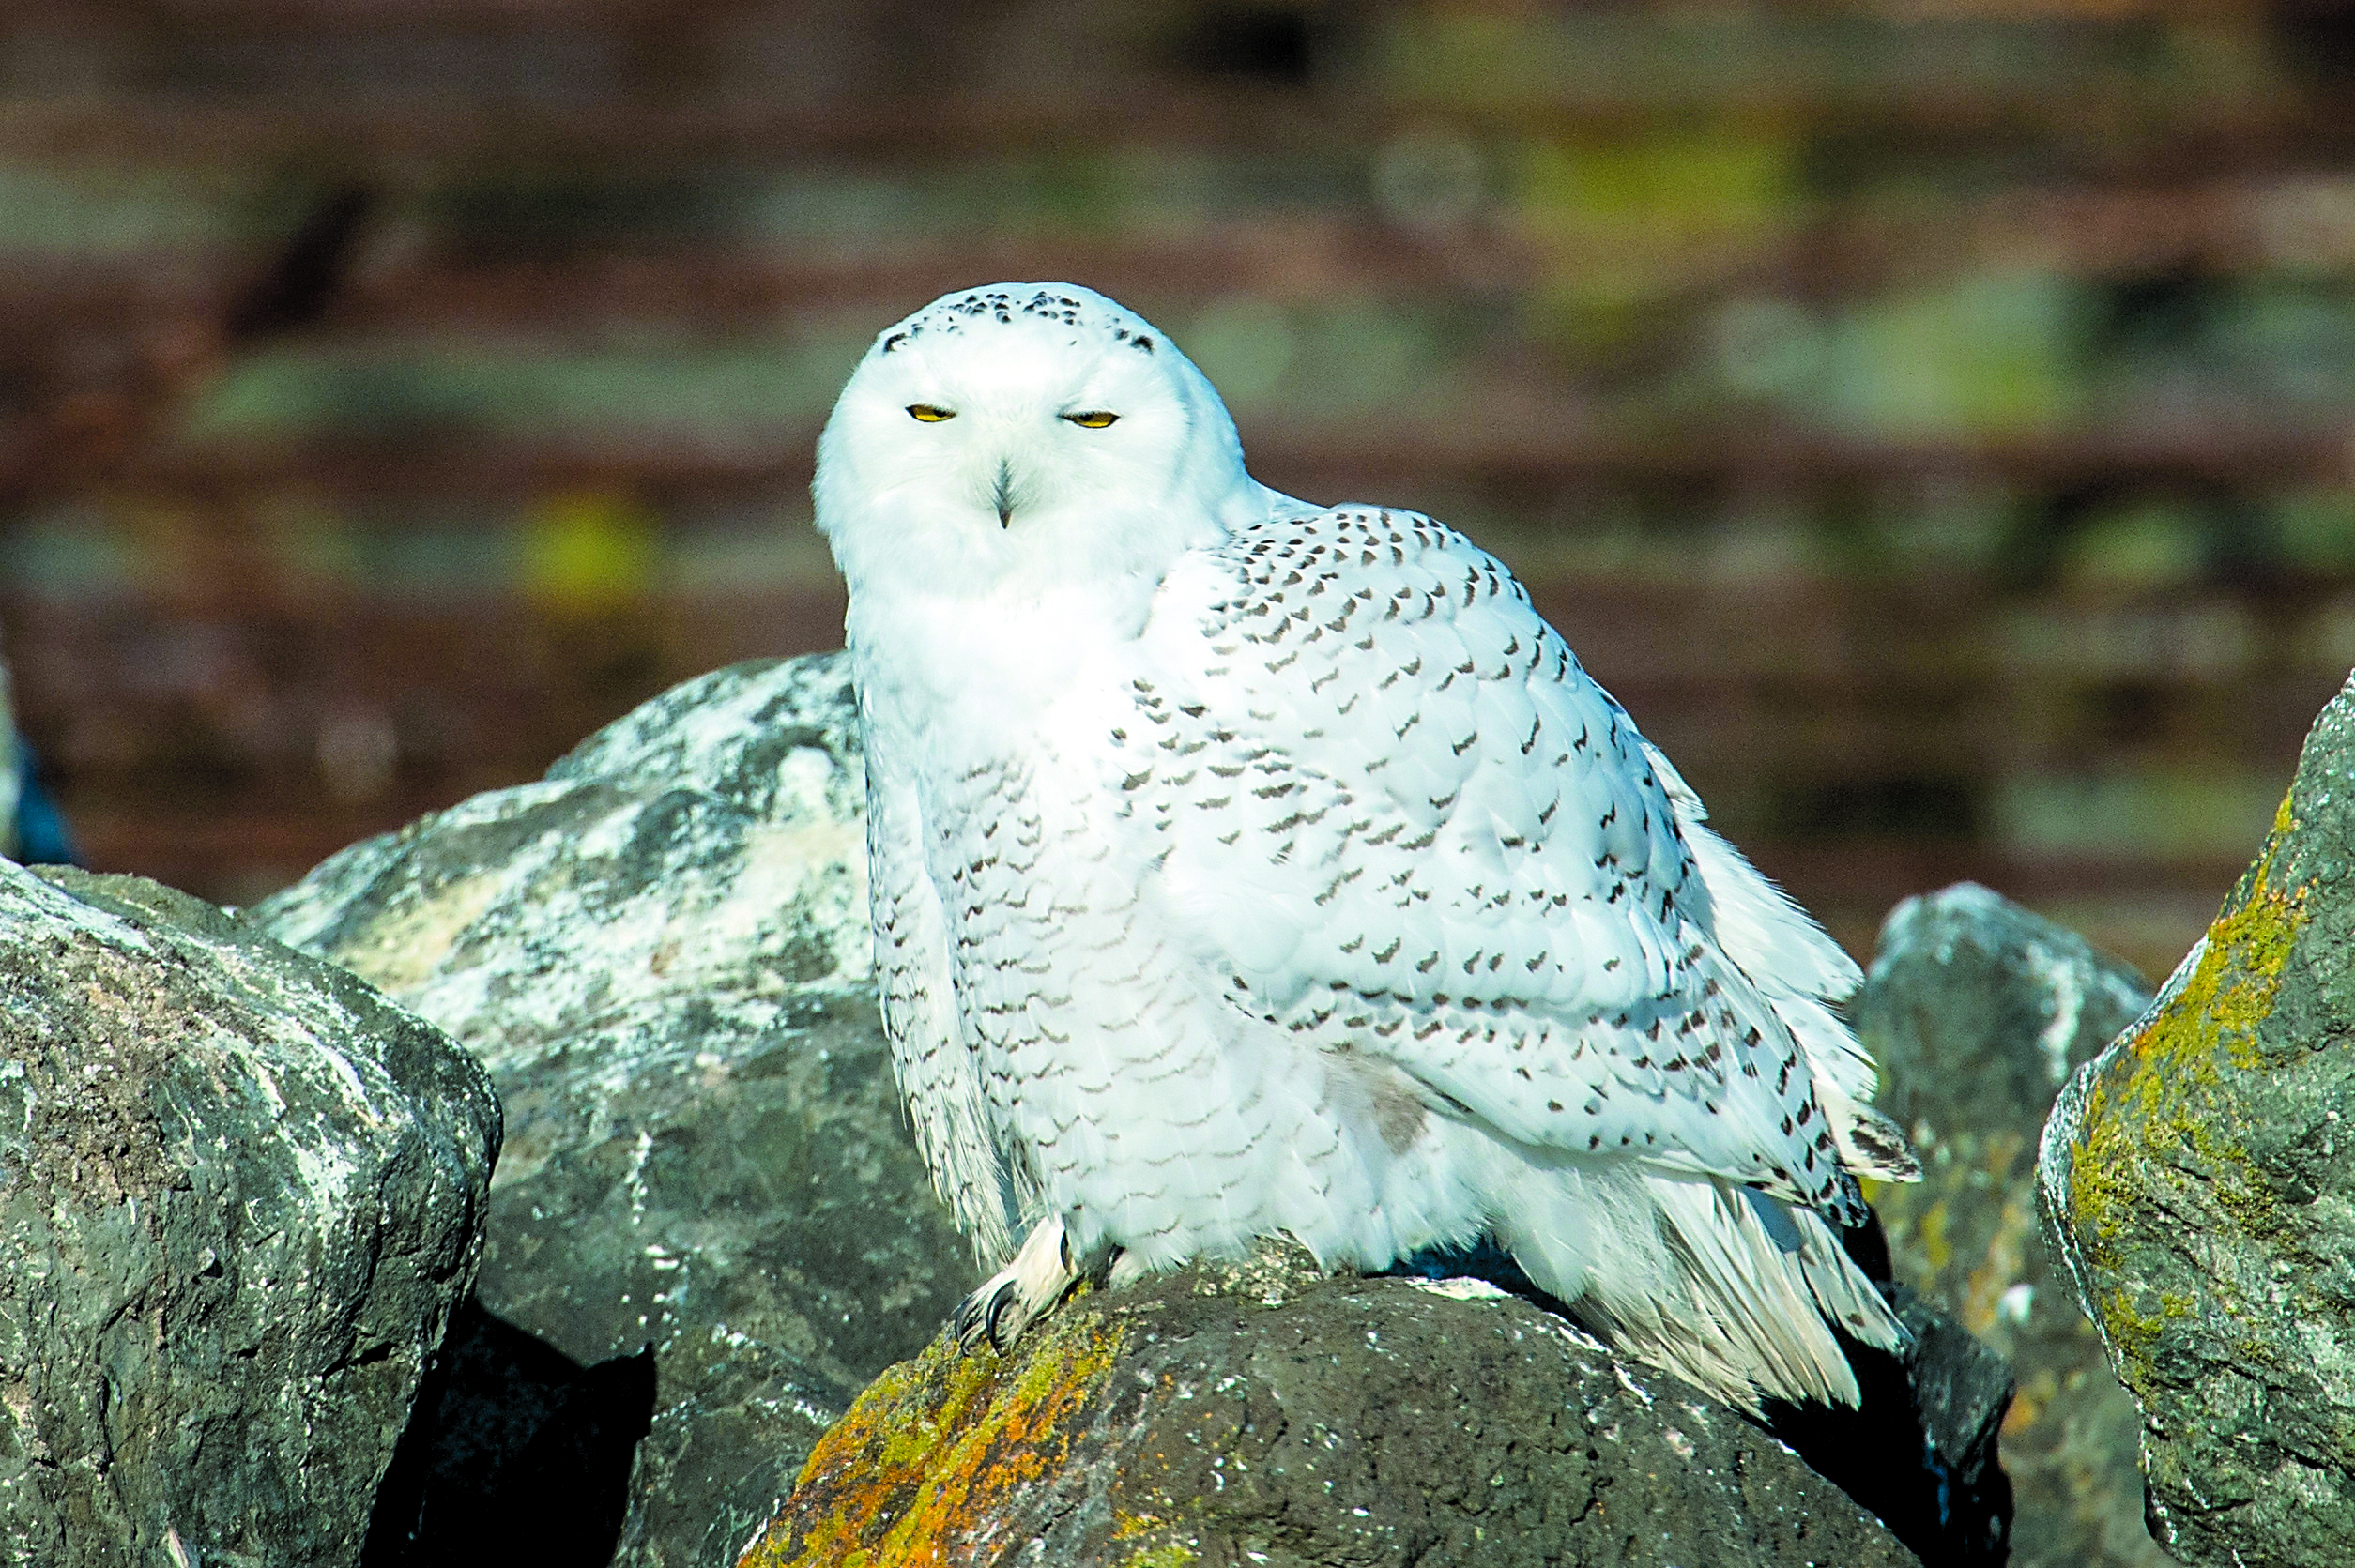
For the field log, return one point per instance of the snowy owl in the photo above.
(1245, 867)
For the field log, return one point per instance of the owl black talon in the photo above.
(978, 1315)
(1000, 1338)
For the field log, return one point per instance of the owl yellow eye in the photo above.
(1095, 418)
(929, 414)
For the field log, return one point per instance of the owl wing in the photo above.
(939, 1078)
(1397, 817)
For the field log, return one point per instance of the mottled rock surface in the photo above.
(1259, 1413)
(240, 1195)
(1977, 1011)
(662, 955)
(2199, 1176)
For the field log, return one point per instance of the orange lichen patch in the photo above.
(1999, 1268)
(2030, 1399)
(936, 1449)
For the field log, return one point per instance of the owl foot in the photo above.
(1022, 1291)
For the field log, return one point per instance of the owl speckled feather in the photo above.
(1245, 867)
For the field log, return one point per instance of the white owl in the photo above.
(1245, 867)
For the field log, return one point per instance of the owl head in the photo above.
(1025, 433)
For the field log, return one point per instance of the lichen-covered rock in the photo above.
(1259, 1413)
(1977, 1011)
(662, 955)
(2199, 1178)
(240, 1195)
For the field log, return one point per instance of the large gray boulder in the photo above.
(1259, 1413)
(1978, 1010)
(240, 1194)
(2199, 1178)
(661, 954)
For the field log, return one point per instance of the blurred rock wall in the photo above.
(1934, 422)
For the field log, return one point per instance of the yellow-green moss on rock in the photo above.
(921, 1466)
(2165, 1098)
(2199, 1182)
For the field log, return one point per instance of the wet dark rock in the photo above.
(661, 954)
(2199, 1178)
(240, 1195)
(1962, 1386)
(1978, 1010)
(1258, 1412)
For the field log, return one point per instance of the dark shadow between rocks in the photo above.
(1919, 1453)
(514, 1452)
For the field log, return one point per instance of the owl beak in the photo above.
(1004, 494)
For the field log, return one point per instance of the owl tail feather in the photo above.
(1735, 1291)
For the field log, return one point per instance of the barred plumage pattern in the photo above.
(1507, 903)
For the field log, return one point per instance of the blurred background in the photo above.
(1934, 418)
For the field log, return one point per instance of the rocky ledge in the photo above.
(243, 1192)
(1261, 1413)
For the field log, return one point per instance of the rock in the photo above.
(240, 1195)
(2199, 1176)
(1918, 1454)
(1261, 1413)
(662, 955)
(1962, 1386)
(1978, 1010)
